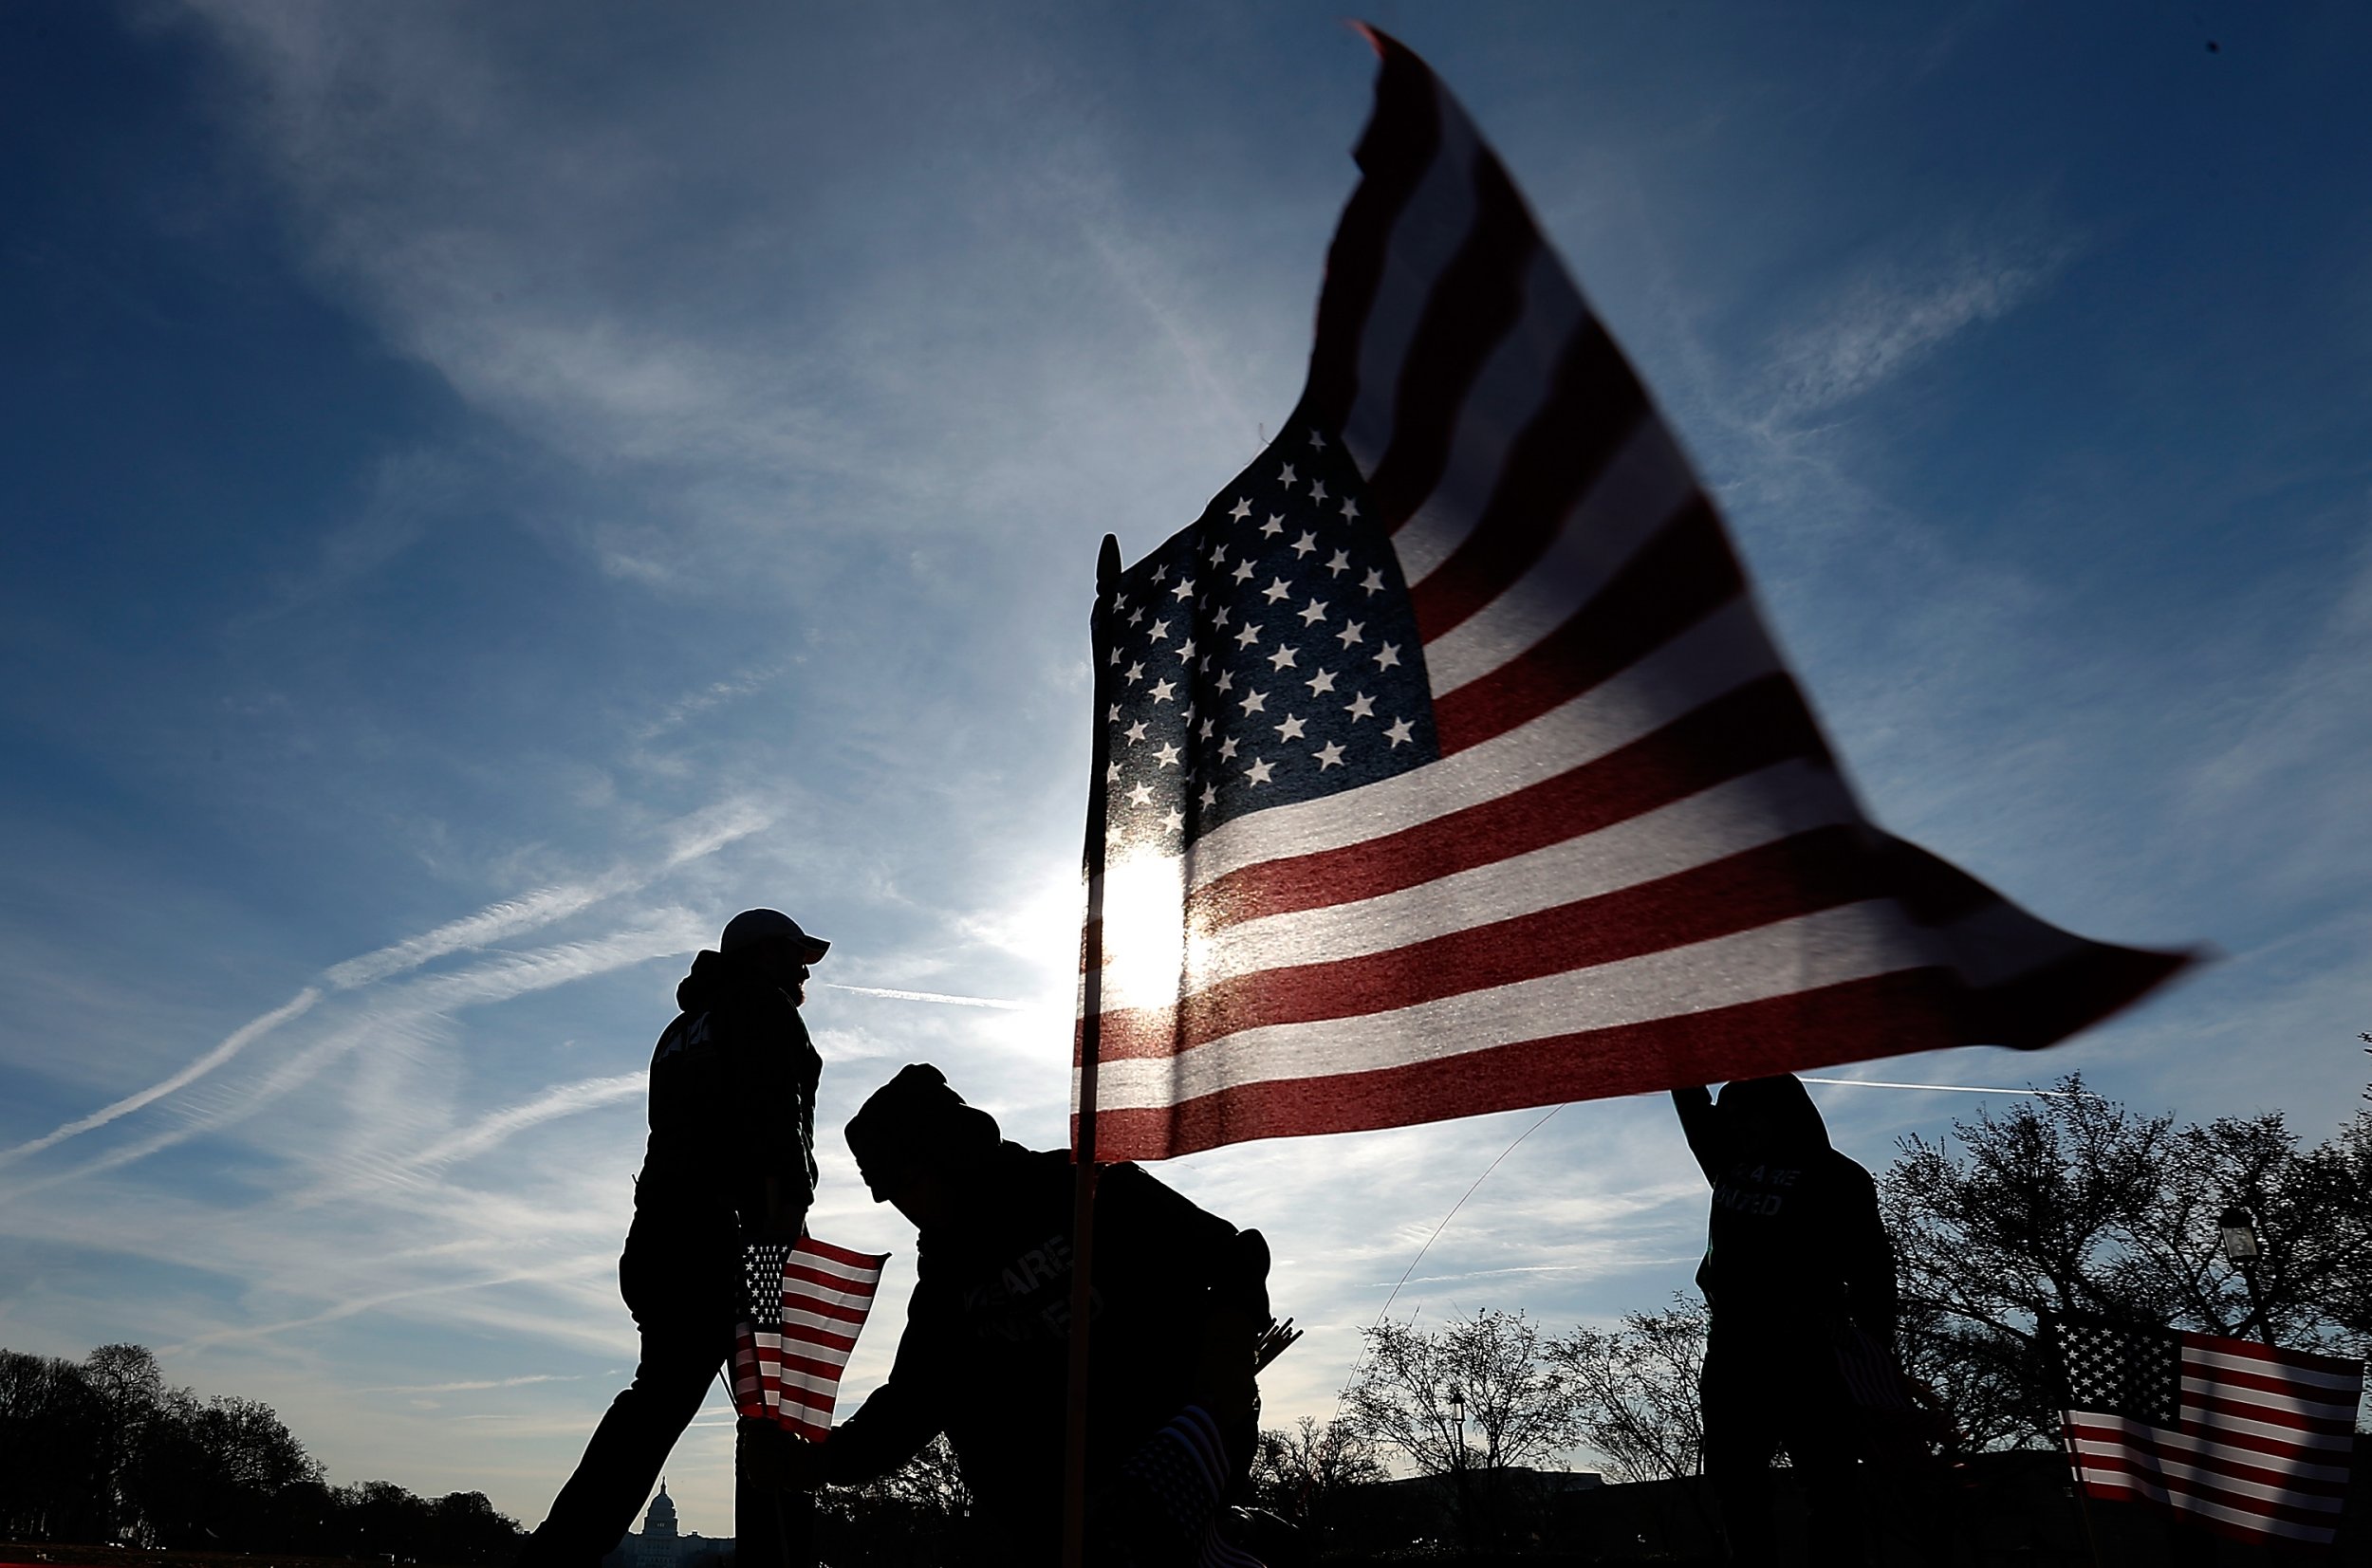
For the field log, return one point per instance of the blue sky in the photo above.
(492, 491)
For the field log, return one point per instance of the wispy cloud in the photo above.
(230, 1045)
(355, 1307)
(390, 1020)
(688, 840)
(569, 1099)
(466, 1385)
(494, 923)
(2299, 731)
(482, 1135)
(408, 492)
(925, 996)
(741, 684)
(1895, 315)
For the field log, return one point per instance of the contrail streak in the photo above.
(697, 835)
(928, 996)
(489, 925)
(232, 1044)
(1946, 1088)
(401, 1008)
(353, 1308)
(472, 1383)
(566, 1100)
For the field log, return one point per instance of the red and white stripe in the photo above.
(791, 1375)
(2262, 1448)
(1635, 863)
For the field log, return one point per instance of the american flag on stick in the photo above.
(2250, 1441)
(803, 1307)
(1445, 764)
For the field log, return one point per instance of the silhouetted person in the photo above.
(731, 1159)
(1180, 1297)
(1796, 1251)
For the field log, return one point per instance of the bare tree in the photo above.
(1304, 1473)
(1476, 1393)
(1634, 1390)
(1465, 1401)
(130, 1388)
(2344, 1294)
(2075, 1203)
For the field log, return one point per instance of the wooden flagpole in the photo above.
(1091, 1018)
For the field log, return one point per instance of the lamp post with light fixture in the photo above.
(1457, 1462)
(2236, 1234)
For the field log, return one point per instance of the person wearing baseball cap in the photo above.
(731, 1159)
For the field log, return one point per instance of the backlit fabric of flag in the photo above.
(2246, 1440)
(802, 1309)
(1450, 768)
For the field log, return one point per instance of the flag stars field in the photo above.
(1308, 541)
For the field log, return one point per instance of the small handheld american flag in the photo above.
(2250, 1441)
(802, 1308)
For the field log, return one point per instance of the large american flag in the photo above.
(802, 1309)
(1448, 767)
(2250, 1441)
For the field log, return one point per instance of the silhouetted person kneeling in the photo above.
(1796, 1251)
(731, 1158)
(1181, 1298)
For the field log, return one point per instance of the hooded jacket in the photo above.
(732, 1102)
(985, 1354)
(1795, 1242)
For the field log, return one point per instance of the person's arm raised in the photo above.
(1701, 1123)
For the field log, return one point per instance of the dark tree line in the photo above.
(103, 1450)
(2071, 1203)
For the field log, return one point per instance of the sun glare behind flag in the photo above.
(1447, 765)
(2250, 1441)
(802, 1310)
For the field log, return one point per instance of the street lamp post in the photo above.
(2236, 1233)
(1458, 1462)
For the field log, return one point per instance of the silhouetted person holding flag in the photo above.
(1181, 1300)
(732, 1158)
(1796, 1259)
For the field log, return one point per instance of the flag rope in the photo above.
(1453, 1213)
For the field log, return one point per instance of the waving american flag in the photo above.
(803, 1307)
(2249, 1440)
(1447, 767)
